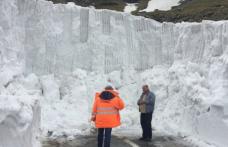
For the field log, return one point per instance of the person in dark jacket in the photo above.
(146, 105)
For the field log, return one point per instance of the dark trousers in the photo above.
(104, 137)
(145, 120)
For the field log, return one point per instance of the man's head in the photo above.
(145, 88)
(108, 88)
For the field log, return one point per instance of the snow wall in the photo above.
(77, 51)
(20, 113)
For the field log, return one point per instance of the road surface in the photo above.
(90, 141)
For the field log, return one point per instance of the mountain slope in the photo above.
(189, 10)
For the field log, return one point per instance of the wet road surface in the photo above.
(90, 141)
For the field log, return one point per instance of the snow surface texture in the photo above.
(77, 51)
(161, 5)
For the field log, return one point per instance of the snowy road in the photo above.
(158, 141)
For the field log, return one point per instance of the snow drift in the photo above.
(77, 51)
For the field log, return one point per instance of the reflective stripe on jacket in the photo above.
(106, 107)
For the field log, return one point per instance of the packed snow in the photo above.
(62, 54)
(161, 5)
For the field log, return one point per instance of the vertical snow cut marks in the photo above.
(113, 59)
(168, 44)
(191, 36)
(75, 37)
(106, 24)
(84, 25)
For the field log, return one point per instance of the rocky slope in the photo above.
(189, 10)
(192, 11)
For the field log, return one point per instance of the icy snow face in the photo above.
(19, 105)
(11, 34)
(71, 37)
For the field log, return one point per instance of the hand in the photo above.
(142, 102)
(93, 118)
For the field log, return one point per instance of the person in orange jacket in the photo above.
(106, 115)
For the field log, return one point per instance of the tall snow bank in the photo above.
(71, 37)
(19, 96)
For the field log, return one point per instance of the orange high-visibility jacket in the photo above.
(106, 108)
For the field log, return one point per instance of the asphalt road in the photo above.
(90, 141)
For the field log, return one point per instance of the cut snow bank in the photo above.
(77, 51)
(19, 101)
(161, 5)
